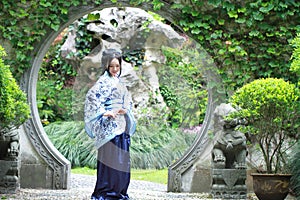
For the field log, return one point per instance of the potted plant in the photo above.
(271, 108)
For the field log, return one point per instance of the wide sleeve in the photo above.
(94, 107)
(130, 120)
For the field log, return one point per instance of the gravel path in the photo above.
(82, 187)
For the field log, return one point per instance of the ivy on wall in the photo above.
(247, 39)
(25, 23)
(295, 66)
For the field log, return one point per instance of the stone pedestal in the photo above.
(9, 177)
(229, 184)
(9, 164)
(228, 156)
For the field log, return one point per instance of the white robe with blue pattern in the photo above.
(108, 94)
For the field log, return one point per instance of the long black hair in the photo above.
(107, 56)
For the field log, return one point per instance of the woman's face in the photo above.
(114, 67)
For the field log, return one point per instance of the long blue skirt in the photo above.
(113, 169)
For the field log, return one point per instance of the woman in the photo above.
(108, 119)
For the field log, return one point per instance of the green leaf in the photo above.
(45, 4)
(222, 51)
(195, 13)
(93, 16)
(221, 21)
(64, 11)
(232, 14)
(157, 4)
(266, 9)
(55, 26)
(242, 10)
(240, 20)
(195, 31)
(258, 16)
(215, 3)
(254, 33)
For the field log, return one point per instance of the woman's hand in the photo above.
(114, 114)
(121, 112)
(110, 114)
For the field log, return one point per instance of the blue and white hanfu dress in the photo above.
(111, 135)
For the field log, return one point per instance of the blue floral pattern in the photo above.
(107, 94)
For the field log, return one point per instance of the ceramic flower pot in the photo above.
(271, 186)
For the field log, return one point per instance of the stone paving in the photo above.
(82, 186)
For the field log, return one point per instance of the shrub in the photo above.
(14, 110)
(272, 108)
(55, 103)
(183, 87)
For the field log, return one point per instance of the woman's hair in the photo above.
(107, 56)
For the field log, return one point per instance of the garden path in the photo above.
(82, 186)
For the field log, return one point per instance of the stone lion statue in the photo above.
(9, 145)
(229, 150)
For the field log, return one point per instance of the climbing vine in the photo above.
(247, 40)
(295, 66)
(28, 24)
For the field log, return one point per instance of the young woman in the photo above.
(109, 120)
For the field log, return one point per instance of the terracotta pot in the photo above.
(271, 186)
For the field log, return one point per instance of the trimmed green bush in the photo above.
(272, 108)
(14, 110)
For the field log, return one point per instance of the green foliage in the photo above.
(14, 110)
(55, 92)
(173, 104)
(183, 88)
(72, 141)
(295, 66)
(136, 57)
(247, 40)
(56, 67)
(40, 16)
(54, 86)
(271, 108)
(156, 146)
(54, 102)
(151, 147)
(84, 39)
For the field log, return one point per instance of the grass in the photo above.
(152, 175)
(83, 170)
